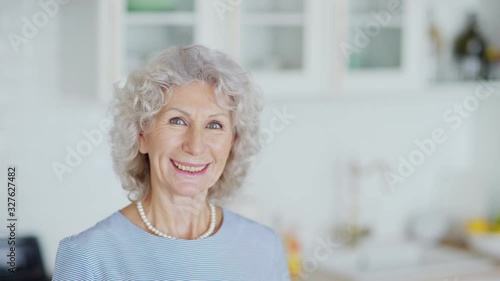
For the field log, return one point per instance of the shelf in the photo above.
(451, 91)
(464, 86)
(176, 18)
(274, 19)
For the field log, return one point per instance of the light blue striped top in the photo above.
(117, 249)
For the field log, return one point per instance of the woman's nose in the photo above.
(194, 142)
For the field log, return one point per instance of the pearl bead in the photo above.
(209, 232)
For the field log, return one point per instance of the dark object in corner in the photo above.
(28, 260)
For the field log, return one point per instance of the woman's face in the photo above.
(190, 143)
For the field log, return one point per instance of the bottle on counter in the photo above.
(470, 52)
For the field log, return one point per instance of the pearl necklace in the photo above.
(159, 233)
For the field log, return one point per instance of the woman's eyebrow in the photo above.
(217, 114)
(189, 115)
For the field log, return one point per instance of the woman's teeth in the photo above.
(189, 169)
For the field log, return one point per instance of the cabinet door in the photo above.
(287, 46)
(382, 44)
(145, 27)
(151, 26)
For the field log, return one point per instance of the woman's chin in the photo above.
(189, 190)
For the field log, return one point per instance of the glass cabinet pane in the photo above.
(145, 40)
(383, 51)
(154, 25)
(272, 47)
(375, 34)
(272, 34)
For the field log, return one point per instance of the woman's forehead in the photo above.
(198, 96)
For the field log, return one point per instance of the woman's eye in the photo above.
(177, 121)
(214, 125)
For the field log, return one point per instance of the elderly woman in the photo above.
(185, 128)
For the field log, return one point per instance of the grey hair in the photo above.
(137, 104)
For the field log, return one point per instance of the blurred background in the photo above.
(380, 131)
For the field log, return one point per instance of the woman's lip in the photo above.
(190, 164)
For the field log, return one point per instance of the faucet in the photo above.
(357, 171)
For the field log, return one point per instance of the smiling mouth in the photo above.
(190, 169)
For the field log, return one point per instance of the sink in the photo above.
(403, 261)
(378, 257)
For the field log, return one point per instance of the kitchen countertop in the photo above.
(320, 275)
(442, 263)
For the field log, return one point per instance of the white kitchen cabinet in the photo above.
(287, 45)
(185, 22)
(295, 49)
(382, 43)
(127, 38)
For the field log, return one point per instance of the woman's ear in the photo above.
(142, 142)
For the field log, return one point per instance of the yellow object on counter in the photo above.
(495, 229)
(478, 226)
(294, 256)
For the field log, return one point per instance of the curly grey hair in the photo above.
(137, 104)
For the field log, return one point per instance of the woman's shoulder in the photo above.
(103, 231)
(248, 227)
(80, 255)
(257, 241)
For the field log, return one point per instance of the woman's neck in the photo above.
(179, 216)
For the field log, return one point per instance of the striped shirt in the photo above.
(117, 249)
